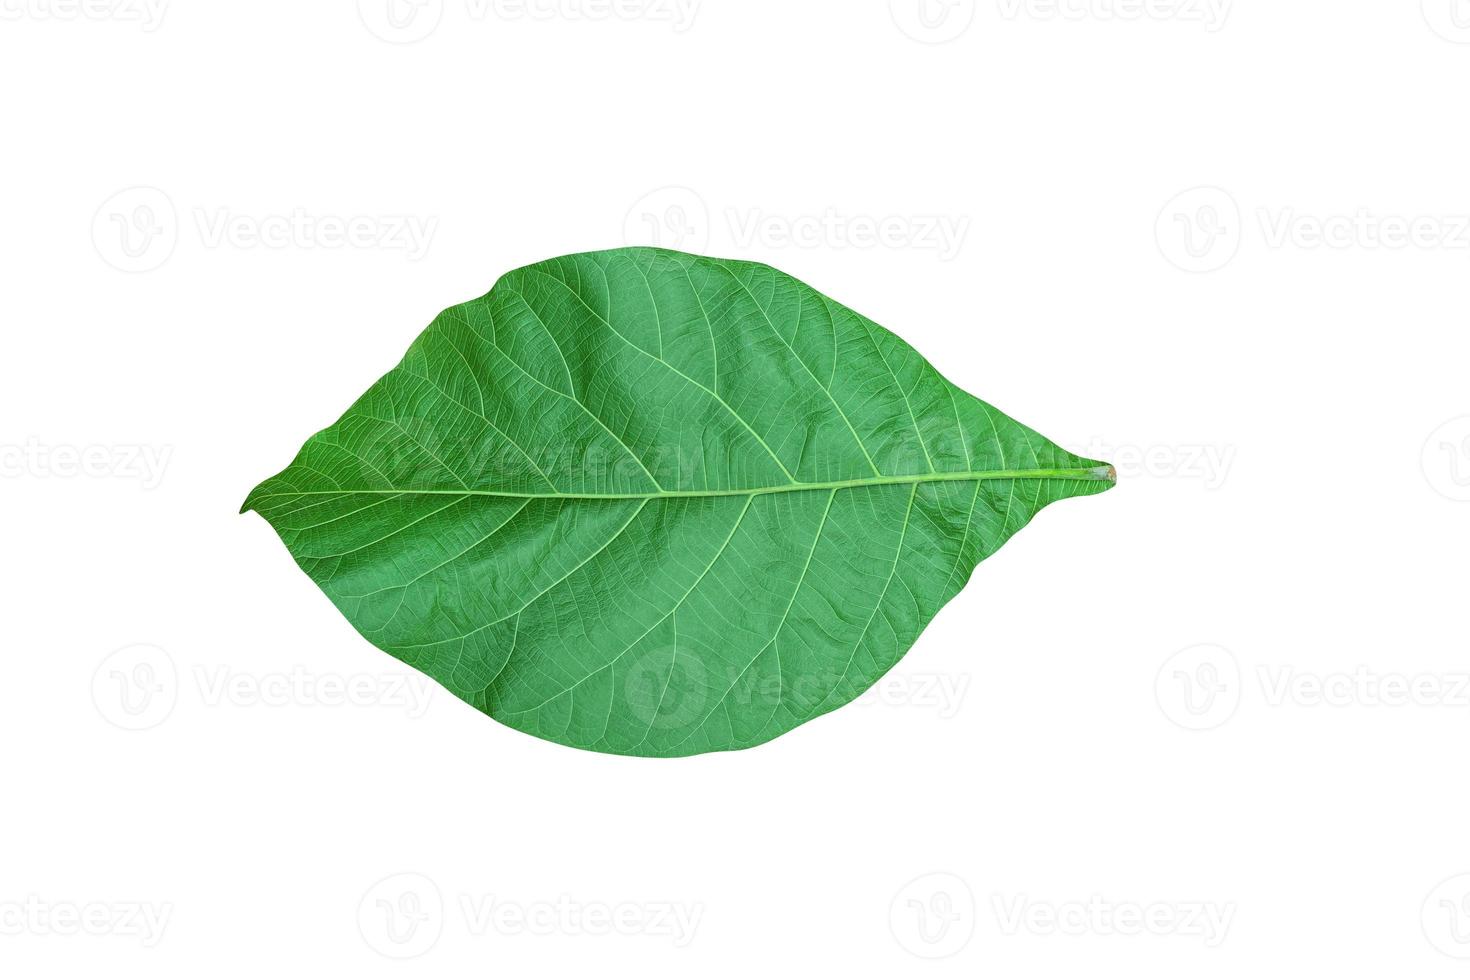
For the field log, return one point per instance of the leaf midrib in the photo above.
(1093, 474)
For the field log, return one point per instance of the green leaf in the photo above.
(651, 503)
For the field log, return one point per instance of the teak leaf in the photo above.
(652, 503)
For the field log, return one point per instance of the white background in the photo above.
(1211, 724)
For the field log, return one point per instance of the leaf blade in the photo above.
(521, 508)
